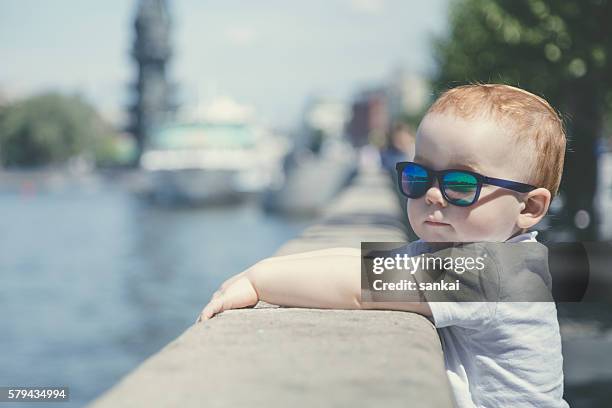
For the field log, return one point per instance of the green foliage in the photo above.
(116, 150)
(542, 46)
(48, 128)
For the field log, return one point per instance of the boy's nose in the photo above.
(434, 196)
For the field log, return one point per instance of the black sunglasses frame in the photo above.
(439, 175)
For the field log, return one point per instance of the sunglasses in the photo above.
(458, 187)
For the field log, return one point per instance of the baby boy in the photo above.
(488, 160)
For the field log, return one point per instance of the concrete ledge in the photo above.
(293, 357)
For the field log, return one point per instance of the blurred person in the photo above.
(400, 146)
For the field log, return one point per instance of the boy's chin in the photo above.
(437, 239)
(437, 236)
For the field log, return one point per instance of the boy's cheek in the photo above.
(488, 225)
(417, 212)
(412, 212)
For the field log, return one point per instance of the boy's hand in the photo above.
(235, 293)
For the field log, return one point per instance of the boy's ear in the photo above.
(535, 207)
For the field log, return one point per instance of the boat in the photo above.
(210, 162)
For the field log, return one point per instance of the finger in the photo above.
(212, 308)
(203, 315)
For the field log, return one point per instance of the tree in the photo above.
(48, 128)
(557, 49)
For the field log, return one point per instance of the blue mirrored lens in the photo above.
(415, 181)
(460, 188)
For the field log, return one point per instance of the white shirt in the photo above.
(504, 354)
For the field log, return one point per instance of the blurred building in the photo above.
(404, 95)
(218, 109)
(323, 120)
(369, 118)
(407, 94)
(327, 115)
(152, 51)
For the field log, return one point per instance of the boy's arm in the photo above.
(326, 279)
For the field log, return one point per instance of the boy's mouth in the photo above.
(437, 224)
(434, 221)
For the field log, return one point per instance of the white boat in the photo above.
(211, 162)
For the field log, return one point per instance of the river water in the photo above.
(93, 279)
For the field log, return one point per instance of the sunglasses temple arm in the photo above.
(511, 185)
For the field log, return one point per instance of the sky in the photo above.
(269, 54)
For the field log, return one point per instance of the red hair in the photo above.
(530, 117)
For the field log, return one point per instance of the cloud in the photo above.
(240, 35)
(367, 6)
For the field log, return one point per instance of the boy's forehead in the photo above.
(480, 144)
